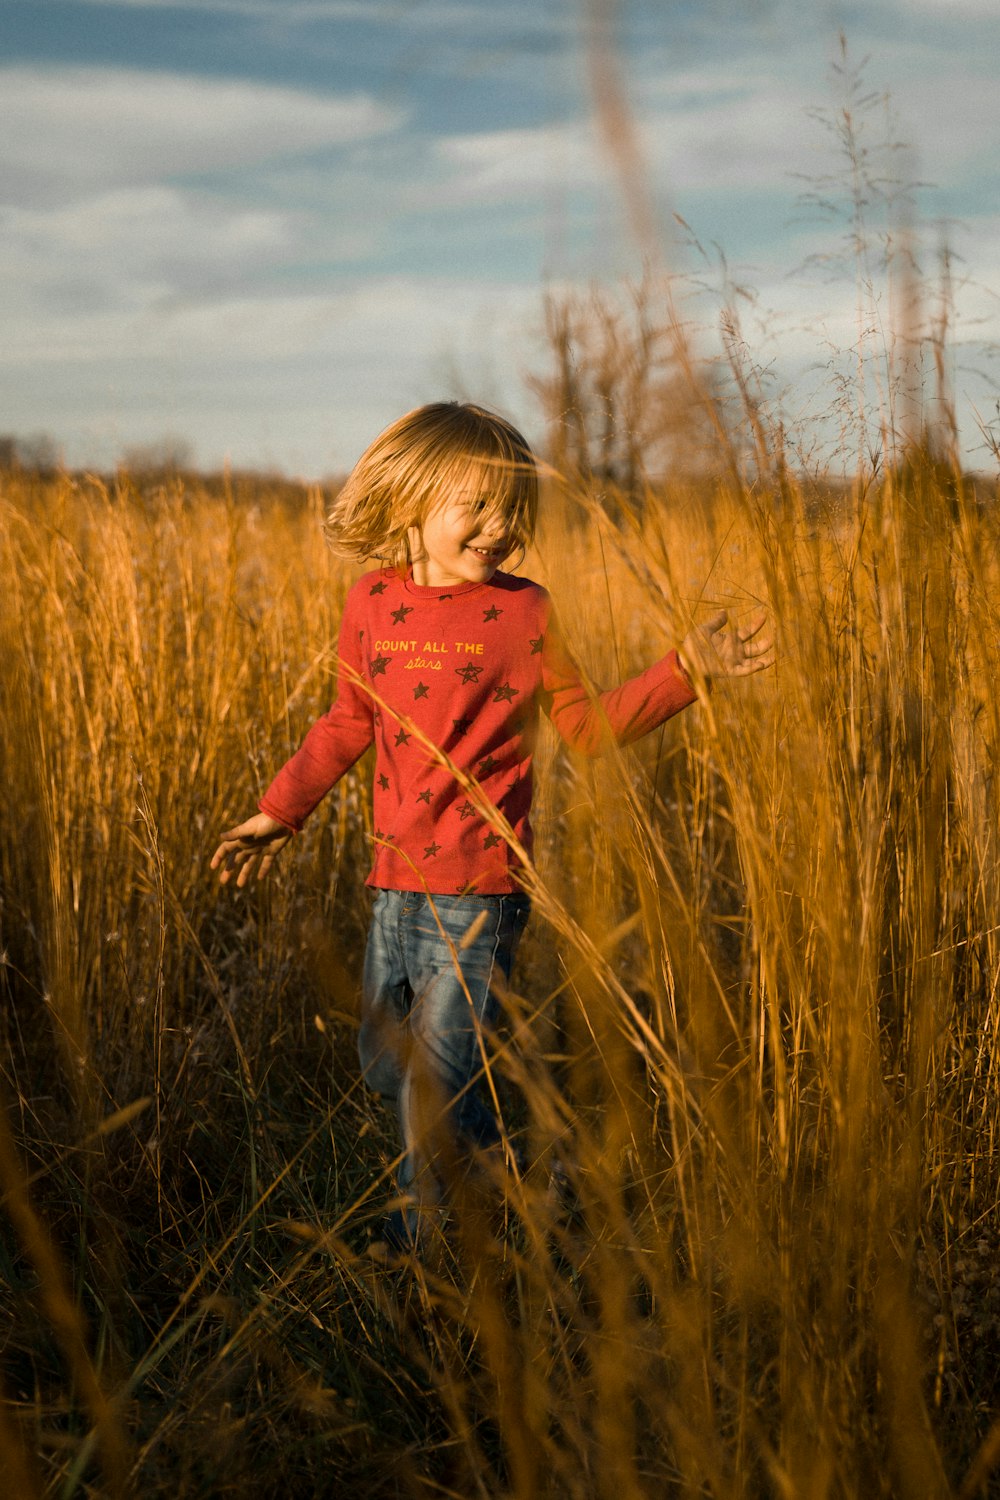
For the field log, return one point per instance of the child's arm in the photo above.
(335, 741)
(250, 847)
(330, 748)
(593, 724)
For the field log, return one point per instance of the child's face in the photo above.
(461, 541)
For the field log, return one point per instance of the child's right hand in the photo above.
(250, 847)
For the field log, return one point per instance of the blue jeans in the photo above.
(427, 1010)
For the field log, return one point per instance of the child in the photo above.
(445, 662)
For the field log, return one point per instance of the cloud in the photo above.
(378, 320)
(511, 162)
(468, 20)
(735, 129)
(291, 11)
(71, 130)
(308, 379)
(128, 247)
(949, 116)
(757, 122)
(745, 137)
(946, 10)
(138, 239)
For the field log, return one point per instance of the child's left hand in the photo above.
(710, 650)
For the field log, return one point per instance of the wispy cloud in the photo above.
(945, 10)
(707, 133)
(129, 246)
(471, 17)
(72, 129)
(291, 10)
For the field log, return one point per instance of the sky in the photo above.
(269, 227)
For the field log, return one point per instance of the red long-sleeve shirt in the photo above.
(448, 684)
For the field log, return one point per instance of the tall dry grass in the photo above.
(752, 1053)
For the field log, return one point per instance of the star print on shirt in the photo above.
(379, 664)
(402, 738)
(536, 644)
(421, 690)
(383, 782)
(461, 726)
(491, 839)
(469, 673)
(378, 588)
(431, 850)
(492, 613)
(506, 693)
(425, 796)
(487, 767)
(466, 811)
(400, 614)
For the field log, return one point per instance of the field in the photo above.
(752, 1052)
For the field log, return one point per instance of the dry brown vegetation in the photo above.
(752, 1055)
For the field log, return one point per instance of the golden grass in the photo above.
(755, 1020)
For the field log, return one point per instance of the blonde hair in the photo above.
(424, 459)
